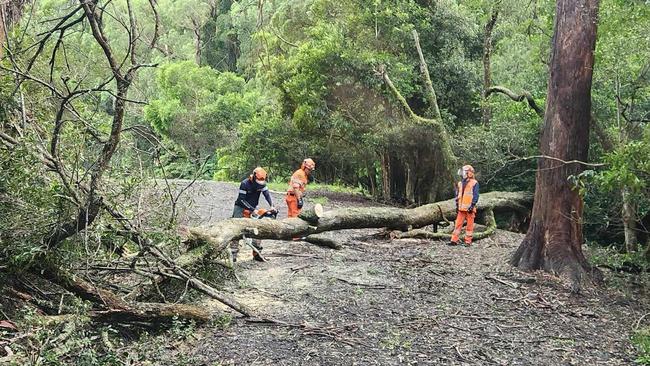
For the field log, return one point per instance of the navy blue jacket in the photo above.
(249, 194)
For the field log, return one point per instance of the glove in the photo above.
(300, 202)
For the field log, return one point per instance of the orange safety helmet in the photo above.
(309, 164)
(258, 174)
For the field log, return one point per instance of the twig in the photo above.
(509, 284)
(458, 352)
(330, 331)
(296, 269)
(638, 322)
(366, 285)
(293, 255)
(509, 299)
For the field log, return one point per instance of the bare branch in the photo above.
(424, 70)
(560, 160)
(133, 33)
(60, 26)
(277, 34)
(516, 97)
(156, 26)
(100, 38)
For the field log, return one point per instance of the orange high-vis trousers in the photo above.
(292, 206)
(469, 230)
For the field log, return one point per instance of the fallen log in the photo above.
(324, 240)
(153, 312)
(116, 309)
(211, 240)
(490, 228)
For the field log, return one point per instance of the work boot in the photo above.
(257, 257)
(452, 243)
(234, 253)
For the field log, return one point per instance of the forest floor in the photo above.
(383, 302)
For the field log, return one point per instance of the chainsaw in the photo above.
(261, 214)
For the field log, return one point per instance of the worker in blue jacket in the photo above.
(246, 205)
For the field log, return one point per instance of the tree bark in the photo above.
(554, 238)
(3, 26)
(385, 176)
(10, 13)
(214, 239)
(487, 72)
(629, 220)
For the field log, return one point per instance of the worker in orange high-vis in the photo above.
(467, 193)
(297, 185)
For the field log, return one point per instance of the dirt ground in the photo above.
(382, 302)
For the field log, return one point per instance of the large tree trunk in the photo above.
(554, 238)
(210, 240)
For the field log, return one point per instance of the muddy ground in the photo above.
(382, 302)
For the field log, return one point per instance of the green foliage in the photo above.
(199, 107)
(28, 207)
(641, 339)
(611, 256)
(628, 166)
(74, 340)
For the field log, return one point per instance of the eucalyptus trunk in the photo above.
(554, 239)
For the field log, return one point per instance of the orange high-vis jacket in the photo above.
(465, 196)
(298, 181)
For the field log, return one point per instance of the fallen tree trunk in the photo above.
(213, 239)
(324, 240)
(488, 219)
(117, 309)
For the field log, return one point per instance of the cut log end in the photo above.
(312, 214)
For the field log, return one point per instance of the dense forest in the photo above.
(112, 112)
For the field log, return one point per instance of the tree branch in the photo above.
(516, 97)
(424, 70)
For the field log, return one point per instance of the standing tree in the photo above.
(554, 238)
(487, 70)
